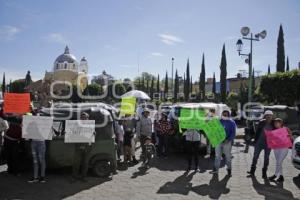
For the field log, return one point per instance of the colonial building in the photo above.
(66, 71)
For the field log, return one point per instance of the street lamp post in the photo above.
(245, 31)
(172, 85)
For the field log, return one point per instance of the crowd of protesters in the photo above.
(154, 140)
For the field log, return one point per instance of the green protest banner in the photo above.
(214, 131)
(191, 118)
(128, 105)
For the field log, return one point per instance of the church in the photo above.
(66, 71)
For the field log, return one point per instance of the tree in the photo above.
(157, 85)
(3, 85)
(223, 75)
(202, 80)
(287, 64)
(147, 87)
(152, 88)
(166, 88)
(18, 86)
(176, 87)
(143, 84)
(280, 66)
(269, 70)
(214, 85)
(187, 81)
(93, 90)
(191, 85)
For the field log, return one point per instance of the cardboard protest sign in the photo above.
(16, 103)
(37, 127)
(278, 138)
(128, 105)
(191, 118)
(214, 131)
(80, 131)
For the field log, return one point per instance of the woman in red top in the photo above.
(163, 129)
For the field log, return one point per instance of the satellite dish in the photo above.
(263, 34)
(245, 31)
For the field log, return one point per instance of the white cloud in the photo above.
(157, 54)
(56, 38)
(8, 32)
(170, 39)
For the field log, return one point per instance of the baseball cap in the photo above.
(268, 112)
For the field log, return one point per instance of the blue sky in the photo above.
(116, 35)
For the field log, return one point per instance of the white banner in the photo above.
(80, 131)
(37, 127)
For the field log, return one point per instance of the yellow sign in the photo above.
(128, 105)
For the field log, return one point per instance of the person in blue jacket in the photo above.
(225, 147)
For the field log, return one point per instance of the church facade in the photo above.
(66, 71)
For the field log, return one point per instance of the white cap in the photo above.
(268, 112)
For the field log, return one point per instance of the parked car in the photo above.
(102, 158)
(290, 116)
(296, 153)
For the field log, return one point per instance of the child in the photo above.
(127, 146)
(280, 154)
(192, 142)
(149, 153)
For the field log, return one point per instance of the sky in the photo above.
(125, 38)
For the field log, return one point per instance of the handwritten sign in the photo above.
(37, 127)
(80, 131)
(128, 105)
(16, 103)
(214, 131)
(191, 118)
(278, 138)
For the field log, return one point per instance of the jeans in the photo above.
(257, 149)
(38, 150)
(280, 155)
(142, 141)
(162, 144)
(226, 149)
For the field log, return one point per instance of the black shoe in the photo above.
(33, 180)
(280, 179)
(272, 178)
(188, 169)
(229, 172)
(42, 180)
(135, 161)
(264, 174)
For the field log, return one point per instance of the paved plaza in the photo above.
(166, 179)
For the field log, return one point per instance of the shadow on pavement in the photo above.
(272, 192)
(181, 185)
(179, 163)
(296, 181)
(142, 171)
(58, 186)
(214, 189)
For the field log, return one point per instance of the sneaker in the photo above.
(272, 178)
(214, 171)
(42, 180)
(33, 180)
(280, 179)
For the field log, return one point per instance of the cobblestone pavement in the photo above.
(166, 179)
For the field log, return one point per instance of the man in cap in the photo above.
(261, 143)
(144, 130)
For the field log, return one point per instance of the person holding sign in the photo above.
(80, 161)
(225, 147)
(280, 153)
(261, 144)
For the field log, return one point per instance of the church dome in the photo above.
(66, 57)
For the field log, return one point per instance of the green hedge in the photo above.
(281, 87)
